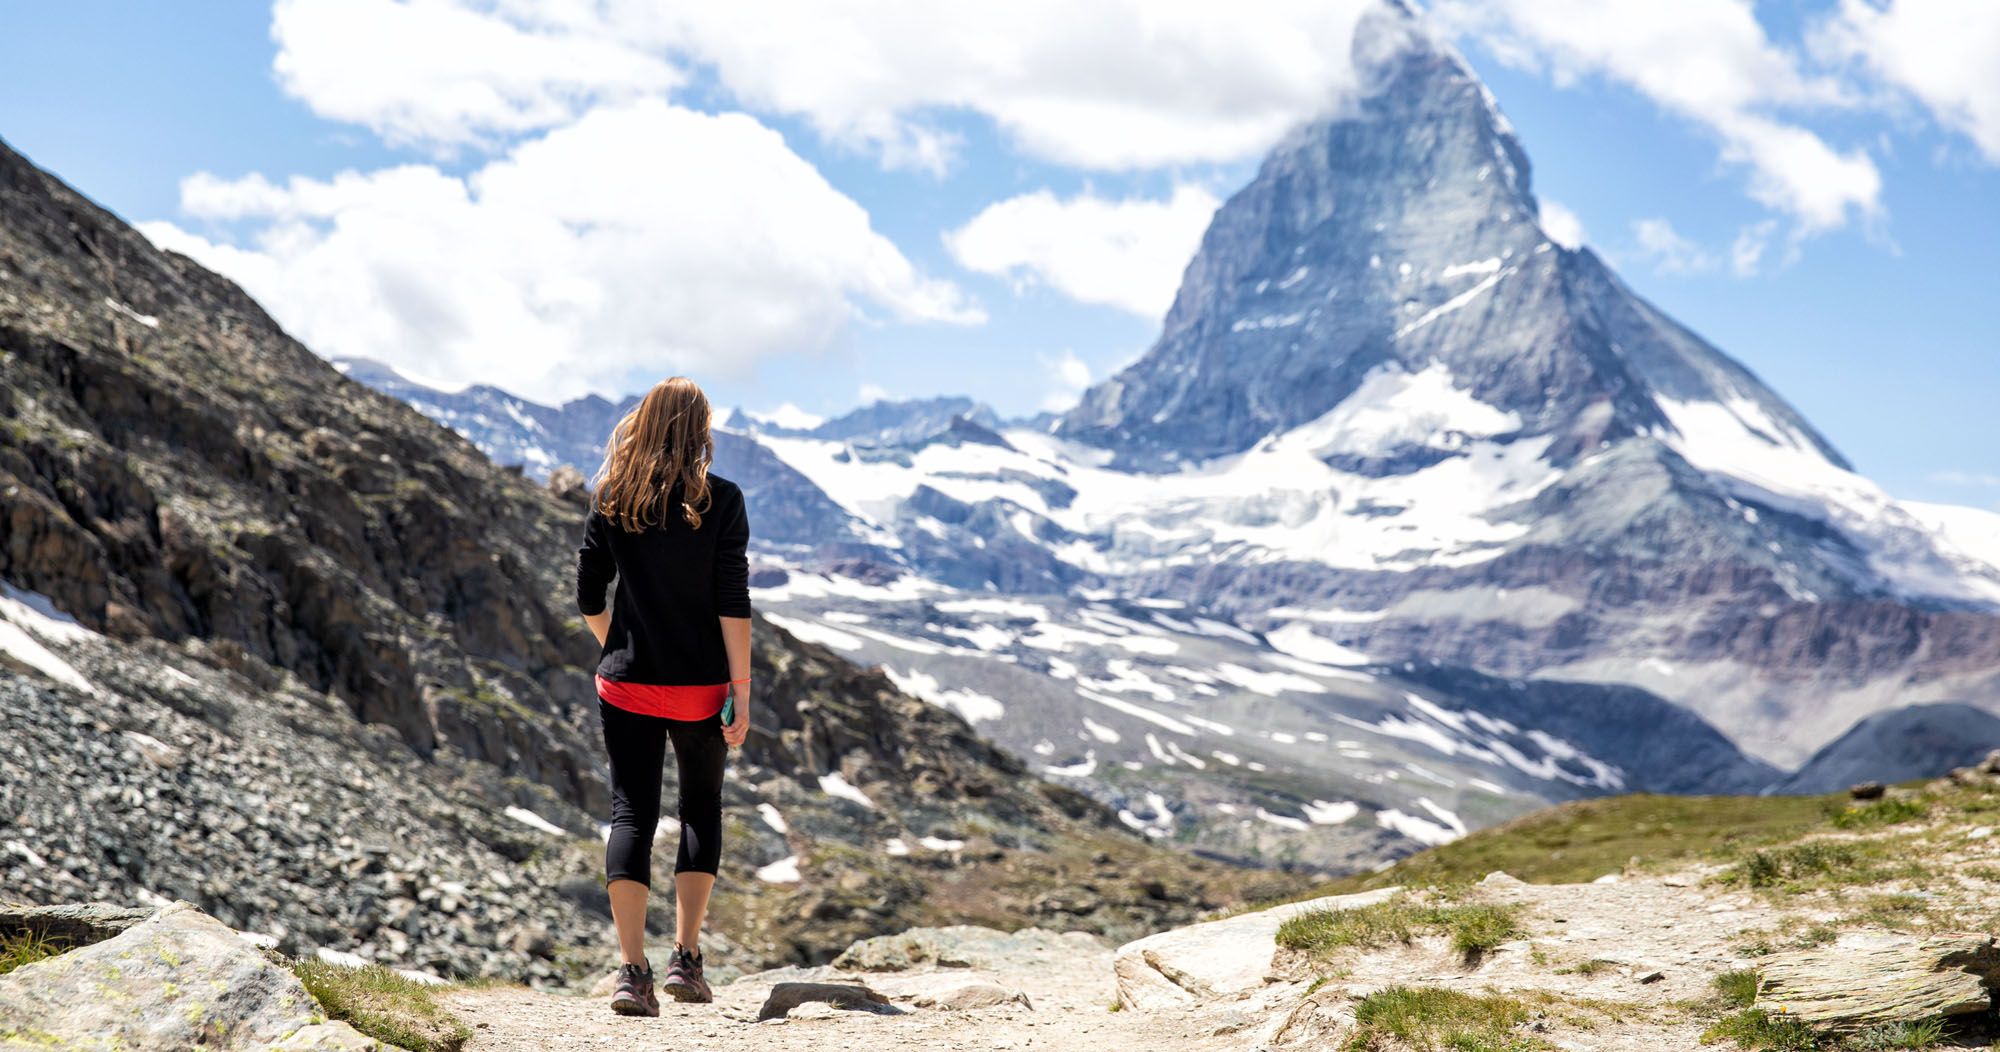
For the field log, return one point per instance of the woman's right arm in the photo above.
(595, 569)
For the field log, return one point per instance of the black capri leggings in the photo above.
(637, 745)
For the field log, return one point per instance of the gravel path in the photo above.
(1071, 993)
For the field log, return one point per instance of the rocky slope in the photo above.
(1844, 927)
(280, 645)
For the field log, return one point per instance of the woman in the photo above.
(675, 646)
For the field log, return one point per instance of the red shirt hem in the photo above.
(667, 701)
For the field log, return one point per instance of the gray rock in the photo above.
(966, 996)
(72, 924)
(179, 979)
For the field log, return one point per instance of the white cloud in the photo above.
(642, 238)
(1670, 252)
(1561, 224)
(869, 394)
(1072, 376)
(1124, 253)
(448, 73)
(1110, 84)
(1747, 251)
(1946, 53)
(1705, 60)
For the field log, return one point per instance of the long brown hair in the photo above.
(663, 441)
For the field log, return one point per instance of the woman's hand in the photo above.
(734, 733)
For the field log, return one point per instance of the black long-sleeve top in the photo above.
(673, 582)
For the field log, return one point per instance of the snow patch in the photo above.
(835, 785)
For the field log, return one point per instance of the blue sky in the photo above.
(949, 219)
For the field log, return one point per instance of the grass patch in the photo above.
(1737, 989)
(1884, 812)
(27, 948)
(1589, 967)
(1474, 928)
(383, 1005)
(1585, 839)
(1797, 863)
(1434, 1019)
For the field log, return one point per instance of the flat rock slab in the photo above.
(179, 979)
(72, 924)
(1215, 959)
(786, 996)
(1863, 980)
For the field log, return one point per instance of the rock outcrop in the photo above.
(1865, 980)
(179, 979)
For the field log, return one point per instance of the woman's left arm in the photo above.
(732, 605)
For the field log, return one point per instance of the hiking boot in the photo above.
(684, 981)
(634, 995)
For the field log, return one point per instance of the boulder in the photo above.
(179, 979)
(786, 996)
(1215, 959)
(1869, 979)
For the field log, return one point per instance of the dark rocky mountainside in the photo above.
(279, 644)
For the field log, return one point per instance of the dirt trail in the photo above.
(1071, 993)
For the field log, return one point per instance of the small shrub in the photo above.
(1814, 858)
(383, 1005)
(1891, 1036)
(1754, 1029)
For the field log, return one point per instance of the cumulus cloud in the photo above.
(640, 239)
(1706, 60)
(1125, 253)
(1945, 53)
(447, 73)
(1561, 224)
(1110, 84)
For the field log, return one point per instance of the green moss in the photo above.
(1473, 928)
(383, 1005)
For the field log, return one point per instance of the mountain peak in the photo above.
(1400, 236)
